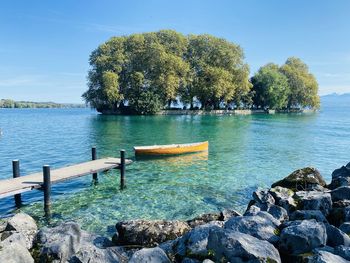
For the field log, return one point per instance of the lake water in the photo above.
(245, 152)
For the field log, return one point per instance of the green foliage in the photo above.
(285, 87)
(271, 87)
(303, 85)
(128, 70)
(146, 103)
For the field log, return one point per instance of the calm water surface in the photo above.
(245, 152)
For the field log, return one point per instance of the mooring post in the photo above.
(47, 189)
(16, 173)
(94, 157)
(122, 169)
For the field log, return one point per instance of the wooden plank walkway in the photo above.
(9, 187)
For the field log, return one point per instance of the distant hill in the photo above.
(335, 99)
(7, 103)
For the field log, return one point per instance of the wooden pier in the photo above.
(43, 180)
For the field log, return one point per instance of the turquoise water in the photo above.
(245, 152)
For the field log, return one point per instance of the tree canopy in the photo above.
(151, 70)
(285, 87)
(144, 73)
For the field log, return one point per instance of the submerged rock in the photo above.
(148, 233)
(302, 179)
(302, 236)
(149, 255)
(314, 200)
(232, 246)
(262, 226)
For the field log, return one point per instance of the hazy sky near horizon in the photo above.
(45, 45)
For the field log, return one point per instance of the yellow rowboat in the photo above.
(171, 149)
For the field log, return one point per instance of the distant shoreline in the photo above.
(11, 104)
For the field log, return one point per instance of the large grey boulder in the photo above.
(194, 243)
(302, 236)
(340, 177)
(336, 237)
(325, 257)
(308, 214)
(232, 246)
(262, 226)
(14, 253)
(59, 243)
(284, 198)
(68, 243)
(314, 200)
(305, 179)
(148, 233)
(341, 193)
(343, 251)
(149, 255)
(24, 224)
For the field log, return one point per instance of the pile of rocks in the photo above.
(299, 219)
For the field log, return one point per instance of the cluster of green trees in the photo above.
(7, 103)
(283, 87)
(147, 72)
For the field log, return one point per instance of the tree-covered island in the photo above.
(145, 73)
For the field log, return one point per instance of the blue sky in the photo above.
(45, 45)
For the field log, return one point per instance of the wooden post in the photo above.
(94, 157)
(47, 189)
(16, 174)
(122, 169)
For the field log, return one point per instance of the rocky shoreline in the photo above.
(299, 219)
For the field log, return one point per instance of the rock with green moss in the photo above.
(149, 233)
(284, 198)
(302, 179)
(194, 243)
(204, 219)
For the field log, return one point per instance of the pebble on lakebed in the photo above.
(299, 219)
